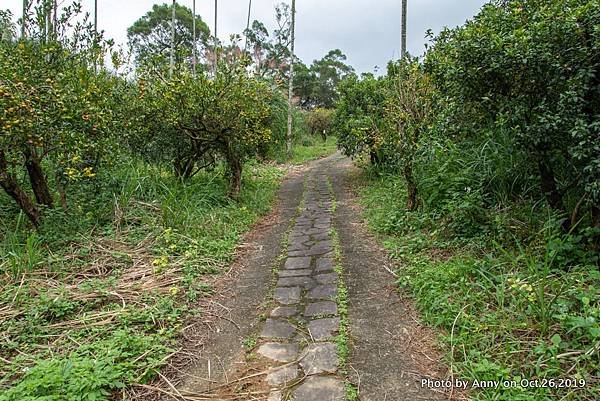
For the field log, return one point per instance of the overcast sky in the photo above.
(367, 31)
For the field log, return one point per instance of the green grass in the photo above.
(95, 299)
(506, 310)
(342, 339)
(313, 148)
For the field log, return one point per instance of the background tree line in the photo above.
(66, 113)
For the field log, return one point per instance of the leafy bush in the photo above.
(530, 67)
(199, 119)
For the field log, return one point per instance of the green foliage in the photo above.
(151, 220)
(84, 376)
(529, 67)
(196, 119)
(309, 149)
(318, 85)
(359, 116)
(57, 113)
(7, 28)
(270, 53)
(507, 310)
(150, 36)
(320, 122)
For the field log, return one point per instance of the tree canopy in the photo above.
(150, 36)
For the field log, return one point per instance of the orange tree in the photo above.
(359, 116)
(55, 117)
(531, 68)
(320, 121)
(198, 121)
(408, 116)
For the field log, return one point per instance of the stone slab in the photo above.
(323, 291)
(327, 278)
(324, 264)
(302, 262)
(324, 329)
(284, 311)
(282, 375)
(287, 295)
(295, 273)
(304, 281)
(320, 308)
(274, 328)
(320, 389)
(279, 352)
(319, 358)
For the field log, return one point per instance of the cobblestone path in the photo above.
(330, 325)
(300, 331)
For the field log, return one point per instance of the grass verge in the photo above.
(508, 313)
(313, 149)
(342, 340)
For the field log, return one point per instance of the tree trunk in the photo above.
(38, 181)
(595, 211)
(172, 51)
(549, 188)
(62, 191)
(9, 183)
(183, 168)
(374, 158)
(411, 186)
(234, 170)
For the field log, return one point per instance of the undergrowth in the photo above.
(514, 300)
(93, 302)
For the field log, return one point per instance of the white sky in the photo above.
(368, 32)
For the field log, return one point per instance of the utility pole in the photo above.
(96, 18)
(216, 55)
(194, 38)
(291, 82)
(403, 39)
(172, 55)
(24, 21)
(47, 18)
(55, 23)
(95, 35)
(248, 24)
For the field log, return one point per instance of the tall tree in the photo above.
(272, 52)
(216, 44)
(24, 18)
(291, 82)
(150, 36)
(329, 72)
(318, 85)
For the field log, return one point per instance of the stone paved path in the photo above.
(388, 351)
(301, 329)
